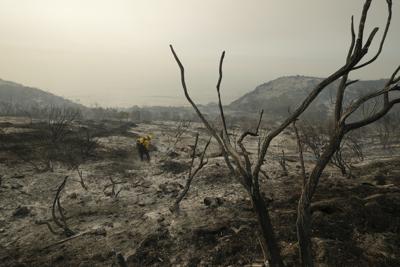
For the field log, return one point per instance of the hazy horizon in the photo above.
(115, 53)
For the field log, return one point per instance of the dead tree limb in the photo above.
(252, 133)
(224, 135)
(192, 172)
(100, 231)
(221, 110)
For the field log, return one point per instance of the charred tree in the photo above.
(248, 173)
(357, 51)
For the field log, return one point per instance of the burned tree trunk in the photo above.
(264, 220)
(303, 222)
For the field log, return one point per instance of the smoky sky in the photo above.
(115, 52)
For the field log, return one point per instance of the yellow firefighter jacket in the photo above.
(145, 141)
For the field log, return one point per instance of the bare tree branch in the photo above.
(248, 132)
(361, 26)
(351, 82)
(353, 40)
(384, 91)
(339, 97)
(393, 79)
(374, 117)
(389, 18)
(192, 174)
(301, 157)
(243, 148)
(221, 109)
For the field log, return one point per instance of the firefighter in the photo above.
(143, 145)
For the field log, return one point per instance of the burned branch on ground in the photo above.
(114, 188)
(59, 220)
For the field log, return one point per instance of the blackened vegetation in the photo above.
(63, 138)
(315, 137)
(59, 140)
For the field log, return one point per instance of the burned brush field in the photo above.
(78, 195)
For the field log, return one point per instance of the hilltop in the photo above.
(278, 95)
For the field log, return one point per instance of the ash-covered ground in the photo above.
(355, 221)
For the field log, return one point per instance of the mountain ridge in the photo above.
(287, 92)
(13, 93)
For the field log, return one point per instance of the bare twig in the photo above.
(248, 132)
(81, 181)
(301, 157)
(221, 109)
(387, 26)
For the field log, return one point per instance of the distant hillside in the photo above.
(23, 97)
(278, 95)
